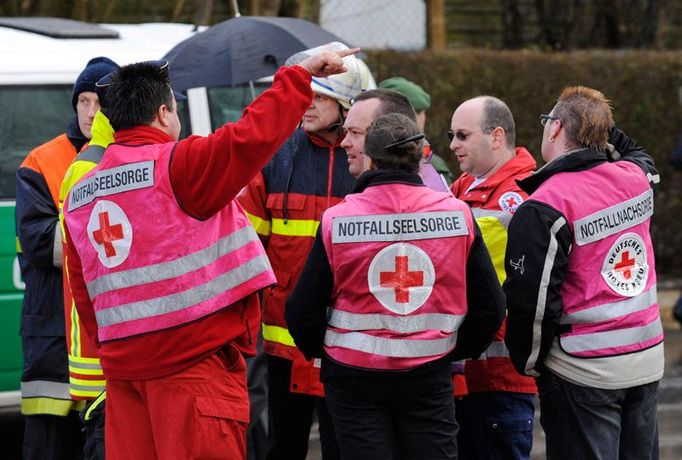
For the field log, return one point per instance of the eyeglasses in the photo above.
(544, 118)
(462, 135)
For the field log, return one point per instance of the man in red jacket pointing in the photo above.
(165, 266)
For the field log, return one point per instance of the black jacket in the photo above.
(531, 238)
(306, 307)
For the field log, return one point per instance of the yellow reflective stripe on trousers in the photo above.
(277, 334)
(382, 346)
(261, 226)
(295, 227)
(101, 398)
(49, 406)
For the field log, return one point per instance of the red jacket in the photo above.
(494, 201)
(206, 173)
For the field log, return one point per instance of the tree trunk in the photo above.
(310, 10)
(435, 24)
(177, 10)
(512, 25)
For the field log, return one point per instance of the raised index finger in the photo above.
(348, 52)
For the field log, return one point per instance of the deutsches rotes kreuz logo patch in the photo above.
(510, 201)
(625, 268)
(401, 277)
(110, 233)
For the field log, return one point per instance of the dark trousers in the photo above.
(495, 425)
(51, 437)
(92, 417)
(257, 380)
(290, 416)
(591, 423)
(402, 417)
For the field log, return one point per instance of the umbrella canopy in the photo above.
(240, 50)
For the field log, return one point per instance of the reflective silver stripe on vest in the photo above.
(397, 348)
(174, 268)
(93, 154)
(80, 365)
(503, 216)
(541, 303)
(496, 349)
(614, 219)
(610, 339)
(405, 324)
(613, 310)
(185, 299)
(45, 389)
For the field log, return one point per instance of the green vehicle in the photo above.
(39, 66)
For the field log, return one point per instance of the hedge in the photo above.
(645, 88)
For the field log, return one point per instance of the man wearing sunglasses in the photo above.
(496, 418)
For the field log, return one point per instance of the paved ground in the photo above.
(670, 406)
(669, 410)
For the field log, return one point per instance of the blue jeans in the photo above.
(591, 423)
(495, 425)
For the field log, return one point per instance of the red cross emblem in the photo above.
(625, 265)
(402, 279)
(511, 202)
(107, 234)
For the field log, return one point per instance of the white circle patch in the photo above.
(401, 277)
(110, 233)
(625, 268)
(510, 201)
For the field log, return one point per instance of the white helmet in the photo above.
(343, 86)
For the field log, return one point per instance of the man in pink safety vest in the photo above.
(411, 288)
(165, 267)
(581, 285)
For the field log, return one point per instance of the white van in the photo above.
(40, 59)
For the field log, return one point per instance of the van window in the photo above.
(29, 116)
(227, 103)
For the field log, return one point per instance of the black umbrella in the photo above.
(240, 50)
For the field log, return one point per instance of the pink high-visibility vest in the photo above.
(609, 289)
(399, 255)
(148, 265)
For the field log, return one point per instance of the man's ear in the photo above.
(162, 115)
(498, 136)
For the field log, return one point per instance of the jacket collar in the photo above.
(522, 164)
(386, 176)
(75, 135)
(141, 135)
(573, 161)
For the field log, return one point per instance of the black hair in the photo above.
(136, 93)
(393, 141)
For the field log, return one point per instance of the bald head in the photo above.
(484, 135)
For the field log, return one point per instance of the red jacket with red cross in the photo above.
(494, 202)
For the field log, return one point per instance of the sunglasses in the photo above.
(544, 118)
(462, 135)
